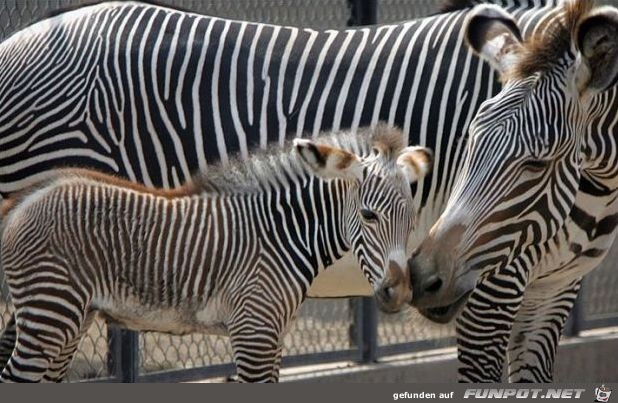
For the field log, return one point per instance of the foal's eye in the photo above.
(535, 165)
(368, 215)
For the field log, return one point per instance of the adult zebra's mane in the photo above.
(551, 43)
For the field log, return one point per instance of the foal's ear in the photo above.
(329, 162)
(415, 162)
(596, 38)
(494, 36)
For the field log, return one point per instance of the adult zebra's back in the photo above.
(153, 93)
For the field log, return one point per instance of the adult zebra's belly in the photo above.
(342, 279)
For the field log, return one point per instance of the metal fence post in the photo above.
(364, 328)
(123, 355)
(363, 12)
(370, 329)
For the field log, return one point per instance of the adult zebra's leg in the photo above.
(256, 331)
(484, 325)
(537, 329)
(7, 341)
(58, 368)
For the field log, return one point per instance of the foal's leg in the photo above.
(255, 345)
(46, 324)
(537, 330)
(34, 350)
(7, 341)
(256, 334)
(275, 373)
(58, 368)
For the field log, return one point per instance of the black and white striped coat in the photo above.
(102, 104)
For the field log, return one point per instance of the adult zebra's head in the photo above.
(528, 147)
(379, 214)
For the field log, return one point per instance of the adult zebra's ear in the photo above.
(494, 36)
(328, 161)
(596, 38)
(415, 162)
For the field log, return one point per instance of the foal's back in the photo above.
(148, 259)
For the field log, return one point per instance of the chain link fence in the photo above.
(325, 330)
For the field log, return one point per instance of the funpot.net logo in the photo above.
(523, 393)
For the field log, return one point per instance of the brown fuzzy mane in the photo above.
(388, 140)
(550, 43)
(239, 175)
(16, 198)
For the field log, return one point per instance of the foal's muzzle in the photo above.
(394, 292)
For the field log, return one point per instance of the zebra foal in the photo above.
(234, 252)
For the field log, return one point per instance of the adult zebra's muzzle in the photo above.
(437, 290)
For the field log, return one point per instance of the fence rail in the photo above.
(325, 330)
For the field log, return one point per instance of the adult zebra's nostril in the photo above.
(433, 284)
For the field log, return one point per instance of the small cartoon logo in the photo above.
(602, 394)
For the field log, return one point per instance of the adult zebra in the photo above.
(536, 205)
(148, 93)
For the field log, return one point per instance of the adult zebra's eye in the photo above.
(535, 165)
(368, 215)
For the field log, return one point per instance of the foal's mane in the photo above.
(238, 175)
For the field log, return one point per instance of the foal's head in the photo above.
(379, 213)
